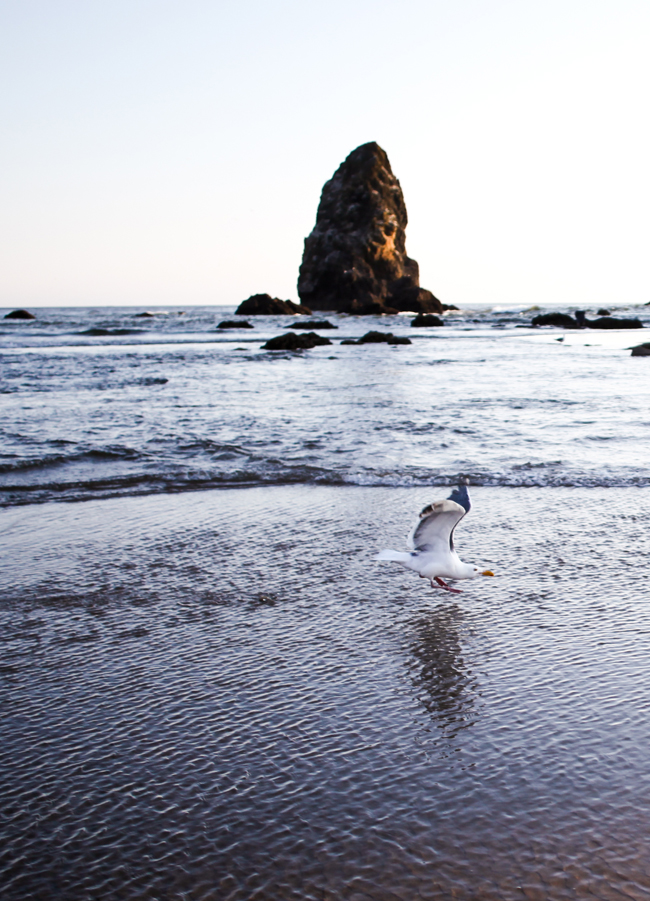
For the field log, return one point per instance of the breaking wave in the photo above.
(76, 487)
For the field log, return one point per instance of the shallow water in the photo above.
(220, 695)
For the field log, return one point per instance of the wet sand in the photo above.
(220, 695)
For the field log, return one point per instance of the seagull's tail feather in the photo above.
(395, 556)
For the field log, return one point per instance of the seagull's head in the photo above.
(469, 571)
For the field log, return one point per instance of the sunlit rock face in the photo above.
(355, 259)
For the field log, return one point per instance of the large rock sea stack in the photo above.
(355, 258)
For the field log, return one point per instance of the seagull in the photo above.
(432, 553)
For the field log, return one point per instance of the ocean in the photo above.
(210, 688)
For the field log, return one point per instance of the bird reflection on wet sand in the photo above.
(445, 687)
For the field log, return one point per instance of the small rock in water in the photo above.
(313, 323)
(378, 338)
(560, 320)
(291, 341)
(19, 314)
(606, 322)
(265, 305)
(375, 338)
(604, 312)
(613, 322)
(424, 320)
(231, 323)
(641, 350)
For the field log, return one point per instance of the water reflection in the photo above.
(445, 687)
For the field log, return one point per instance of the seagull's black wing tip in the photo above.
(460, 496)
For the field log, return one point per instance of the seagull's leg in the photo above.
(444, 585)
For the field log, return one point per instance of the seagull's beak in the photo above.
(487, 572)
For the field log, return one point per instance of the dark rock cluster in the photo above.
(291, 341)
(233, 323)
(641, 350)
(355, 259)
(564, 320)
(265, 305)
(378, 338)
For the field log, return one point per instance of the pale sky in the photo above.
(173, 151)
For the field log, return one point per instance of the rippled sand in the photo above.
(219, 695)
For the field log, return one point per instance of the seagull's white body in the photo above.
(432, 553)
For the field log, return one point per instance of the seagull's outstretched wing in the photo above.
(433, 531)
(461, 496)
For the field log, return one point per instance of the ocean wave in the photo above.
(505, 410)
(102, 332)
(278, 474)
(46, 461)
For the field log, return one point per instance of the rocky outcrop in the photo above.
(19, 314)
(563, 320)
(425, 320)
(265, 305)
(612, 322)
(355, 259)
(313, 323)
(641, 350)
(233, 323)
(560, 320)
(378, 338)
(291, 341)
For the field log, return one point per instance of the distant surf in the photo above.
(179, 407)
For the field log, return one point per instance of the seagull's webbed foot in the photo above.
(444, 585)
